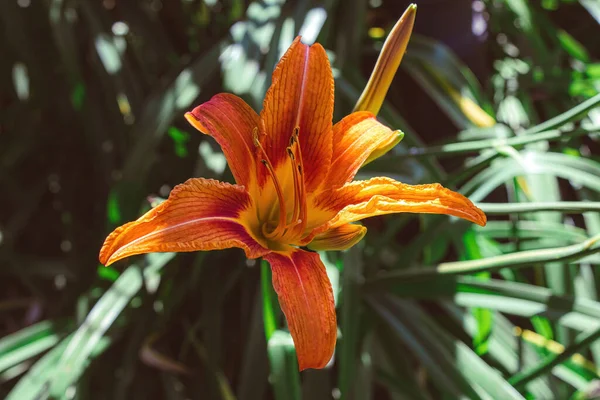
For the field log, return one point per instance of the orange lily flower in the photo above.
(293, 170)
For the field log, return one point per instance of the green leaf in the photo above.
(451, 149)
(572, 46)
(180, 139)
(113, 209)
(439, 363)
(480, 376)
(284, 376)
(255, 368)
(485, 323)
(78, 96)
(483, 316)
(28, 343)
(75, 353)
(108, 273)
(566, 207)
(582, 342)
(518, 259)
(571, 115)
(576, 170)
(351, 319)
(503, 347)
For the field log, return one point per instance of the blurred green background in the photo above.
(498, 100)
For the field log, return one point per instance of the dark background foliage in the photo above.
(498, 99)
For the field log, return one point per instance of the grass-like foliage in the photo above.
(429, 307)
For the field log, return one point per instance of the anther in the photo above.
(255, 137)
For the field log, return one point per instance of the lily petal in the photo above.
(231, 122)
(385, 145)
(200, 214)
(341, 238)
(301, 96)
(306, 298)
(362, 199)
(358, 137)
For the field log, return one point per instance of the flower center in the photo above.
(290, 225)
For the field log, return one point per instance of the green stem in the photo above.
(268, 296)
(570, 207)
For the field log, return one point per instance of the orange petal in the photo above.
(230, 121)
(361, 199)
(357, 137)
(306, 298)
(200, 214)
(341, 238)
(385, 145)
(301, 95)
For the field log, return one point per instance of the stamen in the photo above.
(302, 193)
(297, 206)
(255, 137)
(296, 226)
(267, 163)
(302, 196)
(298, 221)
